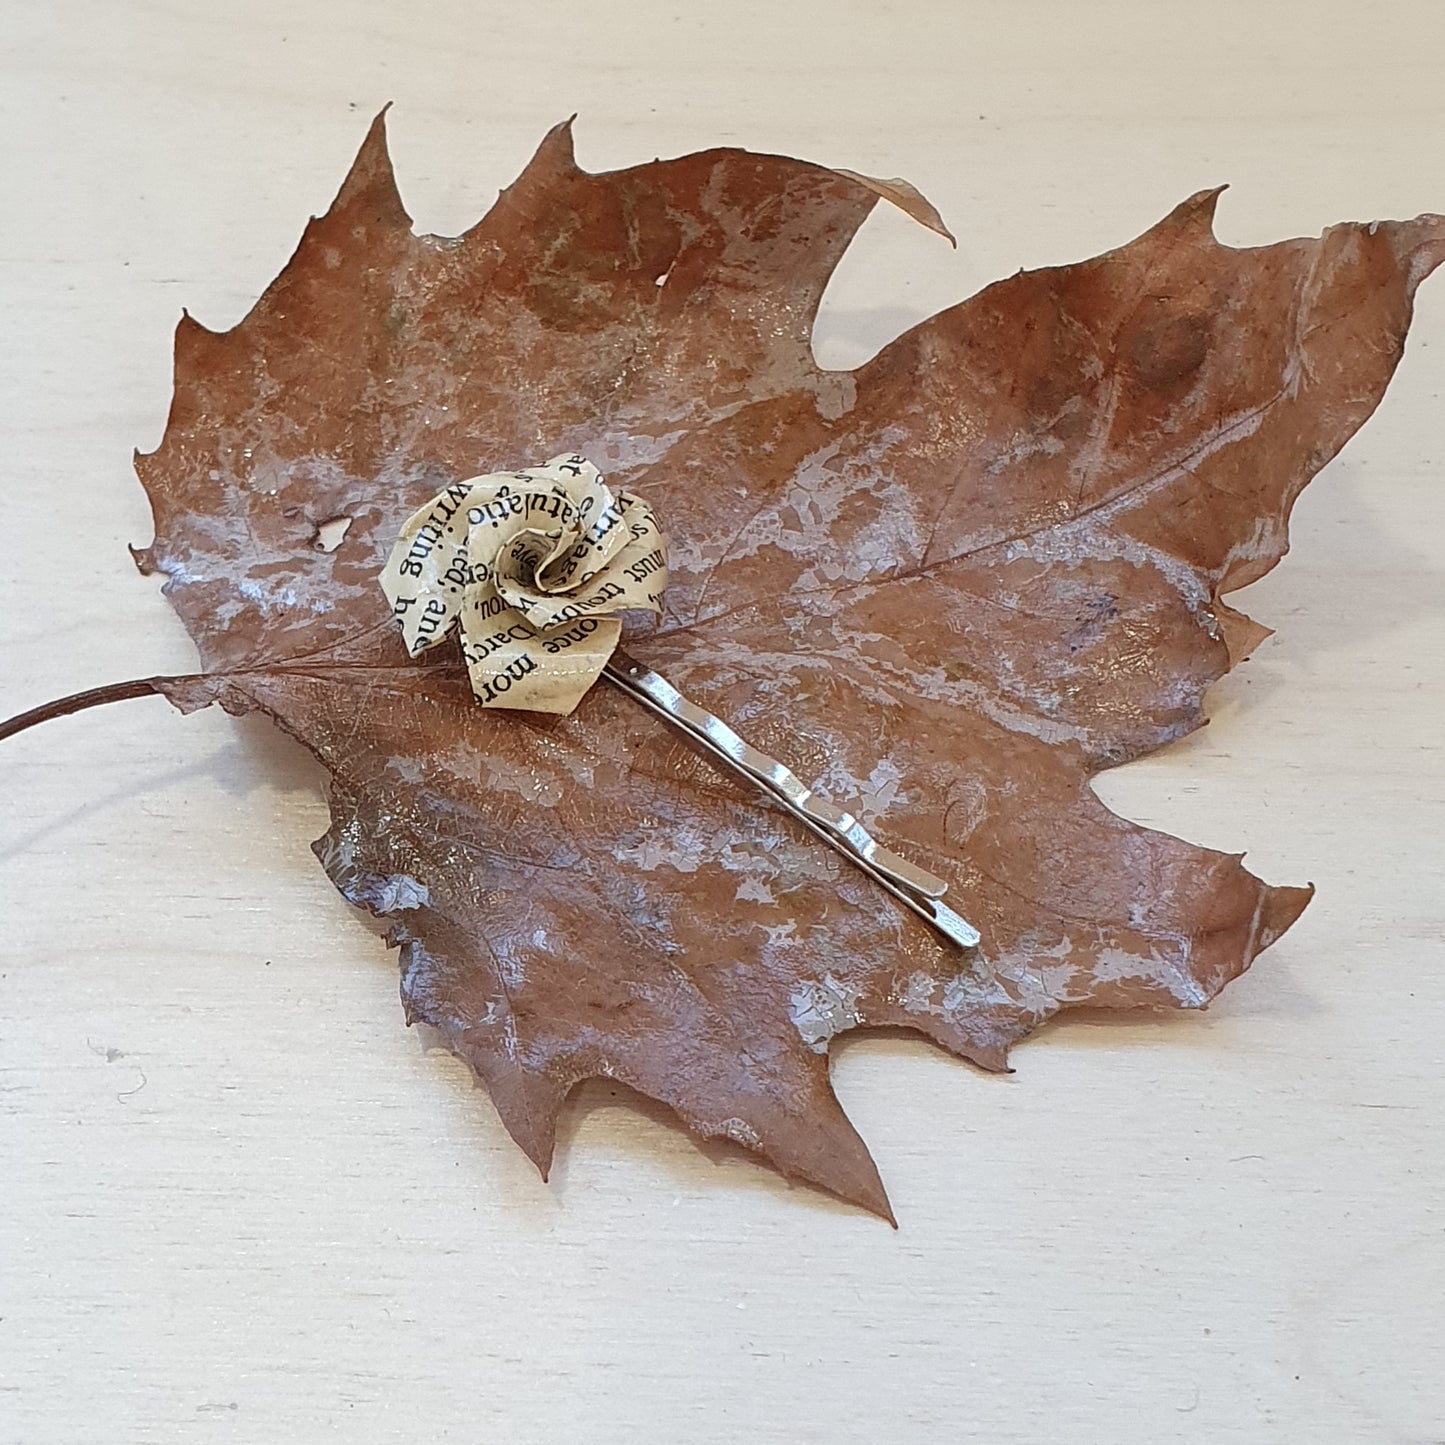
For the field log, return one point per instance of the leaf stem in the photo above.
(91, 697)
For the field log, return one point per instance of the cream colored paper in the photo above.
(530, 566)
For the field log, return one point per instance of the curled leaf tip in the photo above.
(907, 197)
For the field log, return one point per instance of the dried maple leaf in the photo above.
(950, 586)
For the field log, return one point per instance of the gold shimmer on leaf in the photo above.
(948, 587)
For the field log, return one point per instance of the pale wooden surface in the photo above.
(241, 1202)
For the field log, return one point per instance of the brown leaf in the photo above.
(949, 586)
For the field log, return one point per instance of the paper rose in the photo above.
(531, 565)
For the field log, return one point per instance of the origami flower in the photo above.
(531, 566)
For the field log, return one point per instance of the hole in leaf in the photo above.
(329, 533)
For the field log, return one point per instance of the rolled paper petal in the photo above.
(530, 567)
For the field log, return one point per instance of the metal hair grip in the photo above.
(914, 887)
